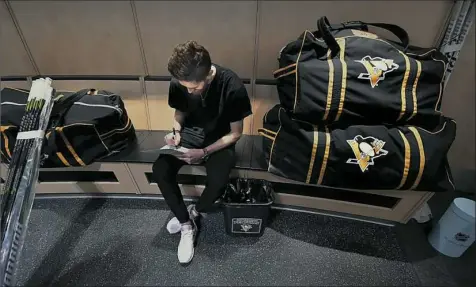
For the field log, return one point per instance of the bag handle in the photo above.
(325, 29)
(62, 106)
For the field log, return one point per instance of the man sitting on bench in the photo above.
(210, 104)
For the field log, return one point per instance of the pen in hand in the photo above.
(173, 132)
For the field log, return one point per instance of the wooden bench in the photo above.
(130, 173)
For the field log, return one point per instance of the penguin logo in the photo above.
(366, 150)
(246, 227)
(376, 69)
(461, 237)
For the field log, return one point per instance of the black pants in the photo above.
(218, 167)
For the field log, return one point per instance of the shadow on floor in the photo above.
(341, 234)
(46, 272)
(113, 268)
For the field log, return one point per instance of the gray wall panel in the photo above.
(266, 97)
(283, 21)
(161, 115)
(459, 103)
(80, 37)
(225, 28)
(14, 60)
(15, 84)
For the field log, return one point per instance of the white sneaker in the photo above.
(186, 248)
(174, 226)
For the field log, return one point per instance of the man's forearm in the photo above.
(178, 120)
(223, 142)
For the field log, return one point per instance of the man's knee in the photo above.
(219, 169)
(218, 180)
(228, 157)
(163, 171)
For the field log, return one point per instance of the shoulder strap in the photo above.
(397, 31)
(325, 30)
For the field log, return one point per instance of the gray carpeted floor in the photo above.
(98, 242)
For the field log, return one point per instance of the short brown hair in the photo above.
(190, 62)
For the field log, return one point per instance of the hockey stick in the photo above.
(18, 191)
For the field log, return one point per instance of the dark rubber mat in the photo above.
(118, 242)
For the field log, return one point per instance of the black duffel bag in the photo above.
(358, 157)
(346, 75)
(84, 126)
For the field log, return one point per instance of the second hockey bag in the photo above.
(358, 157)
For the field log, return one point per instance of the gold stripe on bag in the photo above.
(313, 154)
(330, 85)
(63, 159)
(285, 68)
(415, 103)
(404, 85)
(7, 149)
(287, 74)
(70, 147)
(344, 78)
(421, 149)
(262, 132)
(326, 156)
(406, 165)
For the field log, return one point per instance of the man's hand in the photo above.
(193, 156)
(170, 139)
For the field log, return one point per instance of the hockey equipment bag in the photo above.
(84, 126)
(358, 157)
(342, 73)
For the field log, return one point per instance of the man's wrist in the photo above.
(205, 152)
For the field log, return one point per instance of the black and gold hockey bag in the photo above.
(84, 126)
(347, 75)
(358, 157)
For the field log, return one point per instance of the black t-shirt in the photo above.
(225, 101)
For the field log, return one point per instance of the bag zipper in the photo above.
(103, 106)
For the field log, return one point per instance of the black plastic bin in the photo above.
(246, 218)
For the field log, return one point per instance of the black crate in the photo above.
(246, 219)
